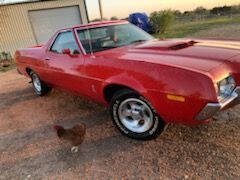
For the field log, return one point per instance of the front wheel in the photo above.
(39, 87)
(134, 116)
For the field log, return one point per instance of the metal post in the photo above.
(100, 8)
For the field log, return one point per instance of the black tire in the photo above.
(156, 128)
(42, 89)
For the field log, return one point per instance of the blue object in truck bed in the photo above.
(140, 20)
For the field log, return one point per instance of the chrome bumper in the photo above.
(212, 108)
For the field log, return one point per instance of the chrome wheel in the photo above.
(135, 115)
(36, 83)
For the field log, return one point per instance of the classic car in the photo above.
(145, 82)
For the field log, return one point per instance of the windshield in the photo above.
(108, 37)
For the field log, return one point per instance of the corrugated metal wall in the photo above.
(15, 27)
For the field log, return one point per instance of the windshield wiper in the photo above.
(109, 47)
(140, 40)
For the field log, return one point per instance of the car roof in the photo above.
(96, 24)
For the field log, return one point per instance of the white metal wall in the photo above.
(16, 30)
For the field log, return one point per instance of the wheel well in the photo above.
(110, 90)
(28, 70)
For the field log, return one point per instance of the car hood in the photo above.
(196, 54)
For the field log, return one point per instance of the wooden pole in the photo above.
(100, 8)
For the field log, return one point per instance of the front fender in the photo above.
(127, 81)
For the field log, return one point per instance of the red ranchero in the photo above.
(147, 83)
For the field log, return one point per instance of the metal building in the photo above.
(31, 23)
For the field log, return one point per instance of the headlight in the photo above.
(226, 87)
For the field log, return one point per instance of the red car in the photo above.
(147, 83)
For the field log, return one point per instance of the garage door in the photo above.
(46, 22)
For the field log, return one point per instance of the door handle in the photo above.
(47, 59)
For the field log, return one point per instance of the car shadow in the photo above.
(15, 97)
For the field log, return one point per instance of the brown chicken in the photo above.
(75, 135)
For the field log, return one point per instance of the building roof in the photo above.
(18, 2)
(24, 2)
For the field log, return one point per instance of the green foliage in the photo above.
(221, 10)
(98, 19)
(200, 10)
(162, 20)
(182, 29)
(114, 18)
(5, 56)
(201, 13)
(235, 9)
(6, 61)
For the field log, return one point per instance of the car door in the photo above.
(64, 63)
(93, 67)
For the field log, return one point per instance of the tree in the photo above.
(98, 19)
(221, 10)
(235, 9)
(226, 10)
(162, 20)
(200, 10)
(188, 13)
(177, 13)
(215, 11)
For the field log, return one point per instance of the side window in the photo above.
(64, 41)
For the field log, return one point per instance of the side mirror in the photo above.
(76, 52)
(66, 51)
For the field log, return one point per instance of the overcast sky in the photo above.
(122, 8)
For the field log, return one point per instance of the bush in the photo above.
(114, 18)
(5, 56)
(5, 59)
(162, 20)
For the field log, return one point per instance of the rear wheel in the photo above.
(134, 116)
(39, 87)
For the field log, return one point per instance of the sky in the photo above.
(122, 8)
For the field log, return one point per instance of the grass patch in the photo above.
(5, 69)
(183, 28)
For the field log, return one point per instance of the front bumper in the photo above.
(212, 108)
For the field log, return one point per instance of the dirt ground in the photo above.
(29, 148)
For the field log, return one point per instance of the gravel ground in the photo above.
(29, 148)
